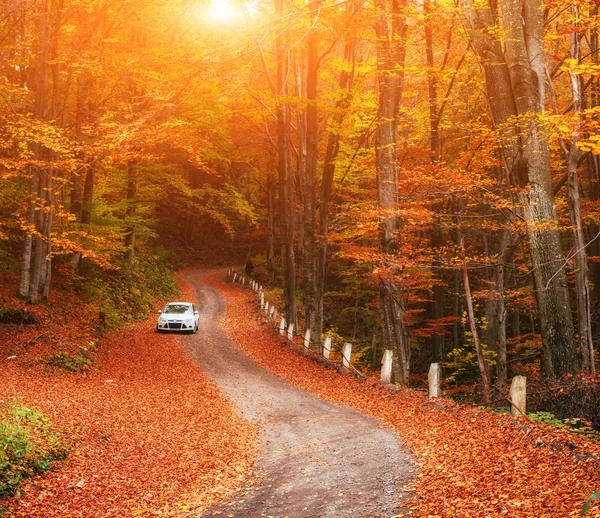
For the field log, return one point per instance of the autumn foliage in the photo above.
(472, 462)
(151, 435)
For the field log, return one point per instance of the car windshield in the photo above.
(177, 308)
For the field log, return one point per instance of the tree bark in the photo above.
(310, 187)
(586, 344)
(331, 153)
(270, 229)
(515, 102)
(286, 180)
(130, 212)
(391, 29)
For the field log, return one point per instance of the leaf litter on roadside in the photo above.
(154, 437)
(472, 462)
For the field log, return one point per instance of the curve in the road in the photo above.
(317, 459)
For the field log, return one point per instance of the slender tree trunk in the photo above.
(586, 344)
(496, 314)
(437, 239)
(312, 158)
(286, 180)
(47, 266)
(391, 29)
(270, 229)
(331, 153)
(130, 212)
(473, 326)
(38, 242)
(88, 194)
(481, 363)
(28, 244)
(32, 243)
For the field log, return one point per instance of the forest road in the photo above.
(316, 459)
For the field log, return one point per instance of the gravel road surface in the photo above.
(316, 459)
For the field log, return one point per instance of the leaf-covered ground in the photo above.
(473, 463)
(154, 437)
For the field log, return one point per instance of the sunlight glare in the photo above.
(221, 10)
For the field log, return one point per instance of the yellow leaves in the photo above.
(574, 66)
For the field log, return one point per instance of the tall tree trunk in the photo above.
(88, 194)
(331, 153)
(496, 314)
(32, 244)
(28, 244)
(586, 344)
(286, 180)
(391, 29)
(513, 87)
(130, 212)
(270, 229)
(310, 188)
(47, 266)
(37, 261)
(437, 239)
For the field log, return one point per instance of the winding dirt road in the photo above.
(316, 459)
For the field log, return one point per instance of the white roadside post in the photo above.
(275, 315)
(282, 326)
(290, 332)
(271, 311)
(262, 300)
(518, 396)
(234, 276)
(434, 378)
(267, 308)
(386, 367)
(346, 355)
(327, 347)
(307, 339)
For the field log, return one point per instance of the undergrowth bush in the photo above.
(575, 397)
(69, 362)
(28, 445)
(129, 294)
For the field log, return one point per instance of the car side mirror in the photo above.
(196, 313)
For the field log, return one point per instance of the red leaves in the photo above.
(472, 463)
(154, 436)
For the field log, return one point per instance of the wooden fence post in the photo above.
(307, 339)
(346, 355)
(386, 367)
(518, 396)
(327, 347)
(434, 380)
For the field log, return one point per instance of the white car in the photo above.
(178, 316)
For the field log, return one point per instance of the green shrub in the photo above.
(129, 294)
(69, 362)
(28, 445)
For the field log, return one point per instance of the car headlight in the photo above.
(161, 320)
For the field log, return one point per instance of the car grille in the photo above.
(174, 325)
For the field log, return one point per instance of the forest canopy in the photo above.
(421, 177)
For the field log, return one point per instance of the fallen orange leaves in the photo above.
(473, 463)
(154, 436)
